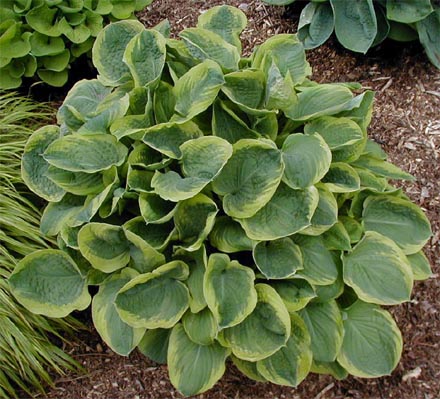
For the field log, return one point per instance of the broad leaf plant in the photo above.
(225, 207)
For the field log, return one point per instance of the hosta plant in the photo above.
(43, 37)
(362, 24)
(226, 207)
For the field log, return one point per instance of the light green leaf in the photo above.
(291, 364)
(145, 157)
(197, 89)
(331, 368)
(372, 341)
(194, 368)
(326, 213)
(53, 78)
(336, 131)
(277, 259)
(44, 19)
(342, 178)
(86, 153)
(249, 369)
(289, 211)
(295, 293)
(121, 338)
(78, 183)
(42, 45)
(250, 177)
(324, 322)
(337, 238)
(228, 236)
(204, 44)
(355, 24)
(145, 57)
(229, 290)
(200, 327)
(104, 246)
(382, 168)
(108, 51)
(154, 344)
(49, 282)
(420, 266)
(318, 264)
(154, 209)
(168, 137)
(320, 100)
(398, 219)
(156, 235)
(226, 21)
(194, 219)
(307, 159)
(264, 331)
(34, 167)
(287, 52)
(378, 271)
(353, 227)
(155, 300)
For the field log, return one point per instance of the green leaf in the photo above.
(295, 293)
(320, 100)
(355, 24)
(332, 368)
(78, 183)
(316, 24)
(420, 266)
(197, 89)
(44, 19)
(429, 35)
(154, 209)
(194, 219)
(250, 177)
(154, 344)
(204, 44)
(324, 322)
(121, 337)
(337, 238)
(318, 264)
(108, 51)
(57, 214)
(353, 227)
(342, 178)
(382, 168)
(408, 11)
(372, 341)
(307, 159)
(291, 364)
(264, 331)
(228, 125)
(200, 327)
(53, 78)
(287, 52)
(226, 21)
(76, 34)
(228, 236)
(326, 213)
(336, 131)
(168, 137)
(34, 167)
(48, 282)
(42, 45)
(145, 57)
(86, 153)
(155, 300)
(249, 369)
(104, 246)
(398, 219)
(156, 235)
(277, 259)
(289, 211)
(378, 270)
(229, 290)
(194, 368)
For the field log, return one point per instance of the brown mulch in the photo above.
(406, 121)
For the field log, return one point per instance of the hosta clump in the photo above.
(362, 24)
(43, 37)
(225, 207)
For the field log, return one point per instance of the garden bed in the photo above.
(406, 122)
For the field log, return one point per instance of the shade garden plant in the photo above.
(42, 38)
(362, 24)
(224, 207)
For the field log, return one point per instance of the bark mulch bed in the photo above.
(406, 122)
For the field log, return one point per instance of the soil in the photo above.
(406, 122)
